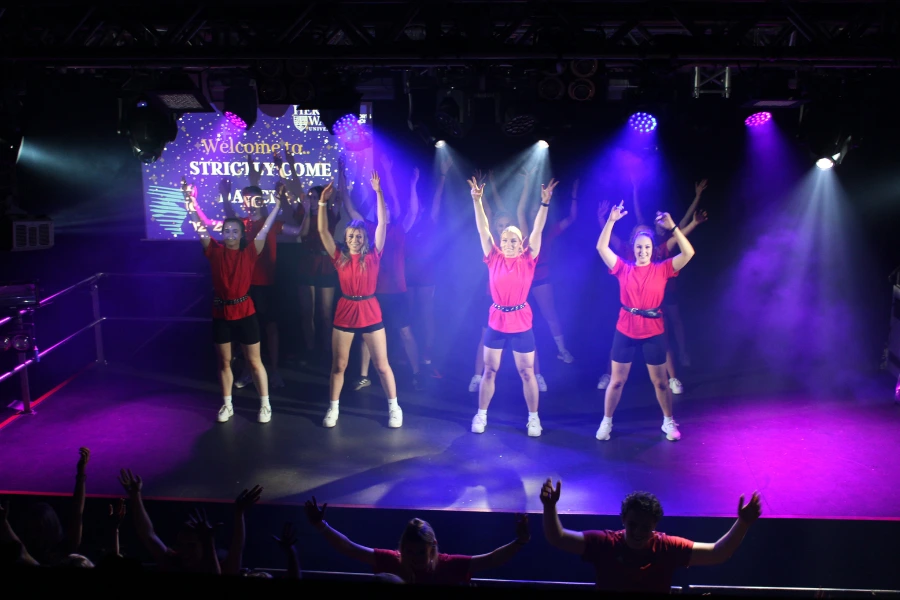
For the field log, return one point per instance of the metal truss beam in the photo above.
(397, 34)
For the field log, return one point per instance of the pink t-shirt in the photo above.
(510, 281)
(643, 288)
(621, 569)
(451, 569)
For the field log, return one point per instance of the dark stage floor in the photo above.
(809, 457)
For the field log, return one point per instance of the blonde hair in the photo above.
(345, 250)
(515, 230)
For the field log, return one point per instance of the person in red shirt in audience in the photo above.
(642, 285)
(358, 310)
(638, 558)
(417, 559)
(391, 289)
(510, 271)
(234, 313)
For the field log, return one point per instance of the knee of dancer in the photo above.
(255, 363)
(526, 373)
(339, 365)
(490, 371)
(224, 364)
(383, 367)
(617, 382)
(406, 333)
(661, 385)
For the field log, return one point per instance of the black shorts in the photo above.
(394, 309)
(366, 329)
(243, 331)
(654, 349)
(320, 281)
(264, 300)
(522, 342)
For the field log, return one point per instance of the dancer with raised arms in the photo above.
(510, 271)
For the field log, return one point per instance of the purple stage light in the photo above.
(757, 119)
(235, 120)
(351, 133)
(642, 122)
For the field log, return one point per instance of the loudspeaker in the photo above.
(18, 234)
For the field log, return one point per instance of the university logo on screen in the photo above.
(308, 120)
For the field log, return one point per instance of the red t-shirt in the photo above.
(621, 569)
(451, 569)
(392, 273)
(542, 270)
(315, 260)
(510, 280)
(355, 281)
(264, 273)
(232, 271)
(644, 288)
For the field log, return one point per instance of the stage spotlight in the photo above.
(448, 117)
(825, 163)
(440, 144)
(642, 122)
(351, 134)
(757, 119)
(543, 144)
(11, 143)
(148, 129)
(241, 105)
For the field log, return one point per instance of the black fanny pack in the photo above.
(358, 298)
(510, 308)
(220, 302)
(652, 313)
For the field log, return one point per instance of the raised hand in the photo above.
(523, 533)
(288, 538)
(247, 498)
(131, 482)
(199, 522)
(547, 190)
(253, 174)
(84, 457)
(575, 189)
(387, 163)
(700, 216)
(478, 176)
(276, 158)
(477, 190)
(665, 219)
(225, 189)
(749, 512)
(314, 514)
(287, 154)
(550, 496)
(528, 172)
(117, 514)
(375, 180)
(326, 192)
(603, 211)
(699, 187)
(415, 175)
(618, 211)
(190, 195)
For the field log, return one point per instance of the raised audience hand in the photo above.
(116, 514)
(550, 496)
(749, 512)
(247, 498)
(699, 187)
(547, 190)
(131, 482)
(523, 533)
(477, 190)
(288, 539)
(700, 216)
(85, 456)
(199, 522)
(603, 211)
(314, 514)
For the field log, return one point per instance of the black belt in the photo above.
(652, 313)
(359, 298)
(510, 308)
(220, 302)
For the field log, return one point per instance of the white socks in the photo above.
(335, 404)
(226, 400)
(264, 402)
(482, 412)
(532, 415)
(607, 420)
(667, 420)
(560, 342)
(392, 403)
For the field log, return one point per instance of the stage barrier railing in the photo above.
(28, 358)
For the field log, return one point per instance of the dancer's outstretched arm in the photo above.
(336, 539)
(534, 240)
(522, 206)
(260, 240)
(193, 210)
(573, 209)
(322, 220)
(637, 205)
(687, 251)
(714, 554)
(503, 554)
(609, 257)
(439, 189)
(413, 212)
(481, 220)
(563, 539)
(700, 216)
(698, 191)
(381, 208)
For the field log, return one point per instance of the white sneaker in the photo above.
(671, 431)
(565, 356)
(225, 413)
(244, 380)
(542, 385)
(275, 380)
(474, 383)
(675, 386)
(395, 417)
(479, 423)
(604, 382)
(331, 417)
(265, 414)
(604, 431)
(534, 427)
